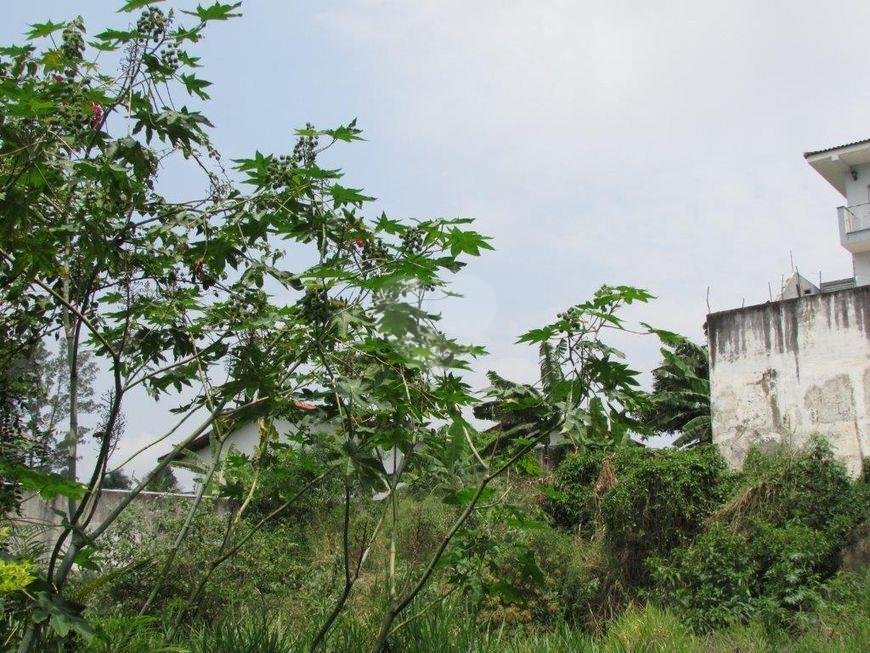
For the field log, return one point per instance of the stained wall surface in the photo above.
(787, 370)
(44, 519)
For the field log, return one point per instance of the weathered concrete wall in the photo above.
(788, 370)
(44, 517)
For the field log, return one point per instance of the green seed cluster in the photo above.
(305, 150)
(574, 318)
(169, 57)
(279, 172)
(152, 23)
(70, 114)
(73, 39)
(412, 240)
(373, 254)
(318, 308)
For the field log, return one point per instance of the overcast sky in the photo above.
(596, 142)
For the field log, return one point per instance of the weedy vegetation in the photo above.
(372, 514)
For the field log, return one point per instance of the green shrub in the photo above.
(648, 630)
(790, 562)
(725, 577)
(574, 504)
(768, 550)
(283, 472)
(808, 487)
(660, 500)
(535, 578)
(841, 624)
(259, 574)
(710, 583)
(423, 523)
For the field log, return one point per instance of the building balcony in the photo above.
(855, 227)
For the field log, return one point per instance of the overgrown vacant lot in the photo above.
(672, 553)
(369, 510)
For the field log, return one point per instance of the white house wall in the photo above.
(245, 439)
(788, 370)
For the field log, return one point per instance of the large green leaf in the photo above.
(48, 485)
(217, 11)
(39, 30)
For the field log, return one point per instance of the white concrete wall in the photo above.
(787, 370)
(857, 189)
(245, 439)
(44, 519)
(861, 266)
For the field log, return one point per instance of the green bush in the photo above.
(748, 574)
(258, 575)
(791, 562)
(283, 472)
(533, 579)
(808, 487)
(660, 500)
(423, 523)
(574, 504)
(768, 550)
(648, 630)
(710, 583)
(841, 625)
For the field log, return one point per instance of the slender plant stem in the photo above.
(396, 607)
(348, 578)
(182, 534)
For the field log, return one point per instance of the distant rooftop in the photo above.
(837, 284)
(807, 155)
(798, 285)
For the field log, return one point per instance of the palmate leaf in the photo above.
(110, 38)
(346, 133)
(342, 195)
(537, 335)
(467, 242)
(667, 337)
(40, 30)
(607, 295)
(217, 11)
(133, 5)
(62, 616)
(195, 86)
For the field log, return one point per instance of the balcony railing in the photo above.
(855, 217)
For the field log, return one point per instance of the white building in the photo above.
(847, 168)
(799, 366)
(244, 438)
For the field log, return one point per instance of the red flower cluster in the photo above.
(96, 115)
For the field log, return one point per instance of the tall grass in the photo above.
(842, 625)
